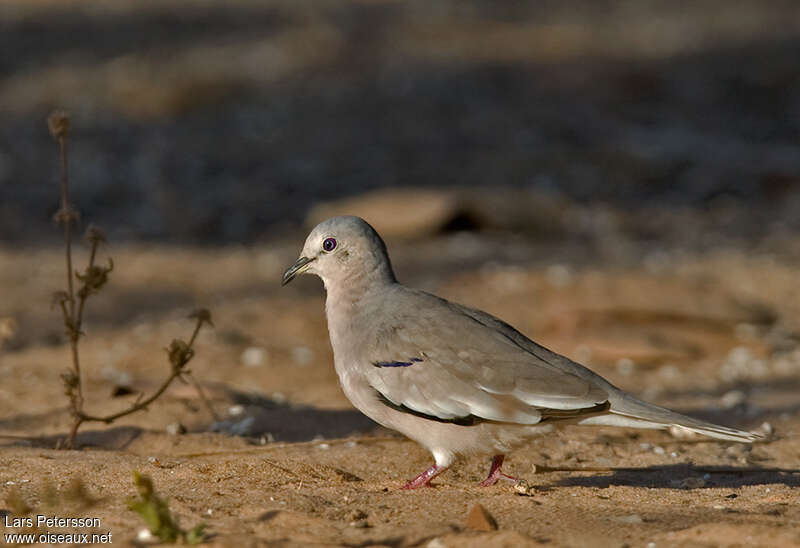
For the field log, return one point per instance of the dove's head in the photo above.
(343, 248)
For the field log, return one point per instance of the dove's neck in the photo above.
(349, 301)
(358, 280)
(345, 295)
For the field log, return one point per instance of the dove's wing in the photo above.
(422, 362)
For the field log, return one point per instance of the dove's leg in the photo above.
(424, 478)
(495, 473)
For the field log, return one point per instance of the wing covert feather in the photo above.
(465, 362)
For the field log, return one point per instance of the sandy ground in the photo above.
(292, 464)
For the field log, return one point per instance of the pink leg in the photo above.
(424, 478)
(495, 473)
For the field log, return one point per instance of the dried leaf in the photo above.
(179, 353)
(202, 315)
(59, 124)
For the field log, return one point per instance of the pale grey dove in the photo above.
(454, 379)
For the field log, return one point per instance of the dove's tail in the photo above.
(628, 411)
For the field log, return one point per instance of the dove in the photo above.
(456, 380)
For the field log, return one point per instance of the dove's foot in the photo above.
(423, 480)
(495, 472)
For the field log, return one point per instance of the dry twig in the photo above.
(73, 303)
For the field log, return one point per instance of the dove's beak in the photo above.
(299, 267)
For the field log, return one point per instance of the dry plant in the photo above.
(72, 302)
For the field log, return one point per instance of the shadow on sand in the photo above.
(681, 476)
(260, 417)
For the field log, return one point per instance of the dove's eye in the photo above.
(329, 245)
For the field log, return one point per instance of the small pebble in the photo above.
(479, 519)
(746, 332)
(235, 410)
(302, 355)
(632, 519)
(523, 488)
(732, 399)
(681, 433)
(558, 275)
(689, 483)
(625, 366)
(175, 429)
(765, 429)
(254, 356)
(266, 438)
(357, 515)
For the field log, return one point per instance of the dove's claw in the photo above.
(495, 473)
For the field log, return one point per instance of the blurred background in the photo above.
(619, 179)
(200, 122)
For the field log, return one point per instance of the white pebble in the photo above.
(302, 355)
(558, 275)
(254, 356)
(235, 410)
(732, 399)
(765, 428)
(175, 429)
(633, 518)
(669, 372)
(625, 366)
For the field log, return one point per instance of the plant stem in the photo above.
(67, 217)
(135, 407)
